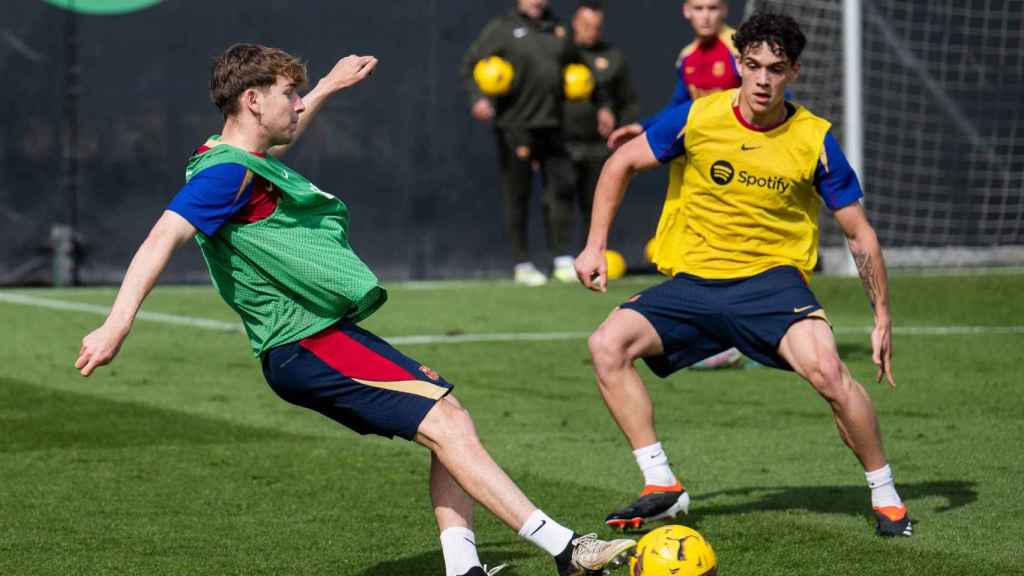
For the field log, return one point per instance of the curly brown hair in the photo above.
(245, 66)
(779, 32)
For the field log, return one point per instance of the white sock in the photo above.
(547, 534)
(653, 462)
(883, 489)
(459, 548)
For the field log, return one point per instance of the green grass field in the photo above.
(178, 459)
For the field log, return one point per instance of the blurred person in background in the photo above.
(527, 122)
(707, 65)
(587, 127)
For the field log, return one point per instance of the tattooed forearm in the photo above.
(866, 269)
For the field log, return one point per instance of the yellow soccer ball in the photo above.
(494, 75)
(616, 264)
(673, 551)
(649, 251)
(579, 82)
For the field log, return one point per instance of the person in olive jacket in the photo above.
(585, 126)
(527, 122)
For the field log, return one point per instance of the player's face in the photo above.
(765, 76)
(532, 8)
(280, 106)
(706, 16)
(586, 26)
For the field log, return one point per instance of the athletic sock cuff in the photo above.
(879, 477)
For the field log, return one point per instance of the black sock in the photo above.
(564, 558)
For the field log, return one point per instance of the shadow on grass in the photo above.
(36, 418)
(432, 562)
(852, 500)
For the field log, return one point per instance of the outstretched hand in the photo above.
(99, 348)
(592, 269)
(881, 351)
(350, 70)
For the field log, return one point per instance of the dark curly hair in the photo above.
(779, 32)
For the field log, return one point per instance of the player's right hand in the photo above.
(592, 269)
(624, 134)
(483, 110)
(98, 349)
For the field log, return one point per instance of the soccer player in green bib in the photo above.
(741, 250)
(278, 252)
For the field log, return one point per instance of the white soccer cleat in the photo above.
(591, 555)
(565, 270)
(526, 274)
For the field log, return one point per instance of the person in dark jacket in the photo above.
(527, 122)
(585, 126)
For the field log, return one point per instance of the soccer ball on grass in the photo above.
(673, 551)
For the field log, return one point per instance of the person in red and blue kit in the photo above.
(705, 66)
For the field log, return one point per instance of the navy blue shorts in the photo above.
(356, 379)
(697, 318)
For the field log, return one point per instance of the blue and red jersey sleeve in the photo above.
(212, 197)
(834, 179)
(665, 132)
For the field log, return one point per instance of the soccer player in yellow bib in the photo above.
(758, 169)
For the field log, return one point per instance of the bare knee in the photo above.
(450, 425)
(828, 378)
(607, 351)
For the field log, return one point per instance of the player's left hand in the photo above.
(881, 350)
(350, 70)
(605, 121)
(592, 269)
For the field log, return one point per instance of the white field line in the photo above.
(209, 324)
(221, 326)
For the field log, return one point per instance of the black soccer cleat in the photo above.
(893, 521)
(655, 503)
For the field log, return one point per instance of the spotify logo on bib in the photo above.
(722, 172)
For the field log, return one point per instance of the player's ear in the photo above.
(251, 101)
(794, 71)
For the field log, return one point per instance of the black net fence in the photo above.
(419, 175)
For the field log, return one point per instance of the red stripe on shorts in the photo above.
(353, 359)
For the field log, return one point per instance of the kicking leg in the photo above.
(448, 431)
